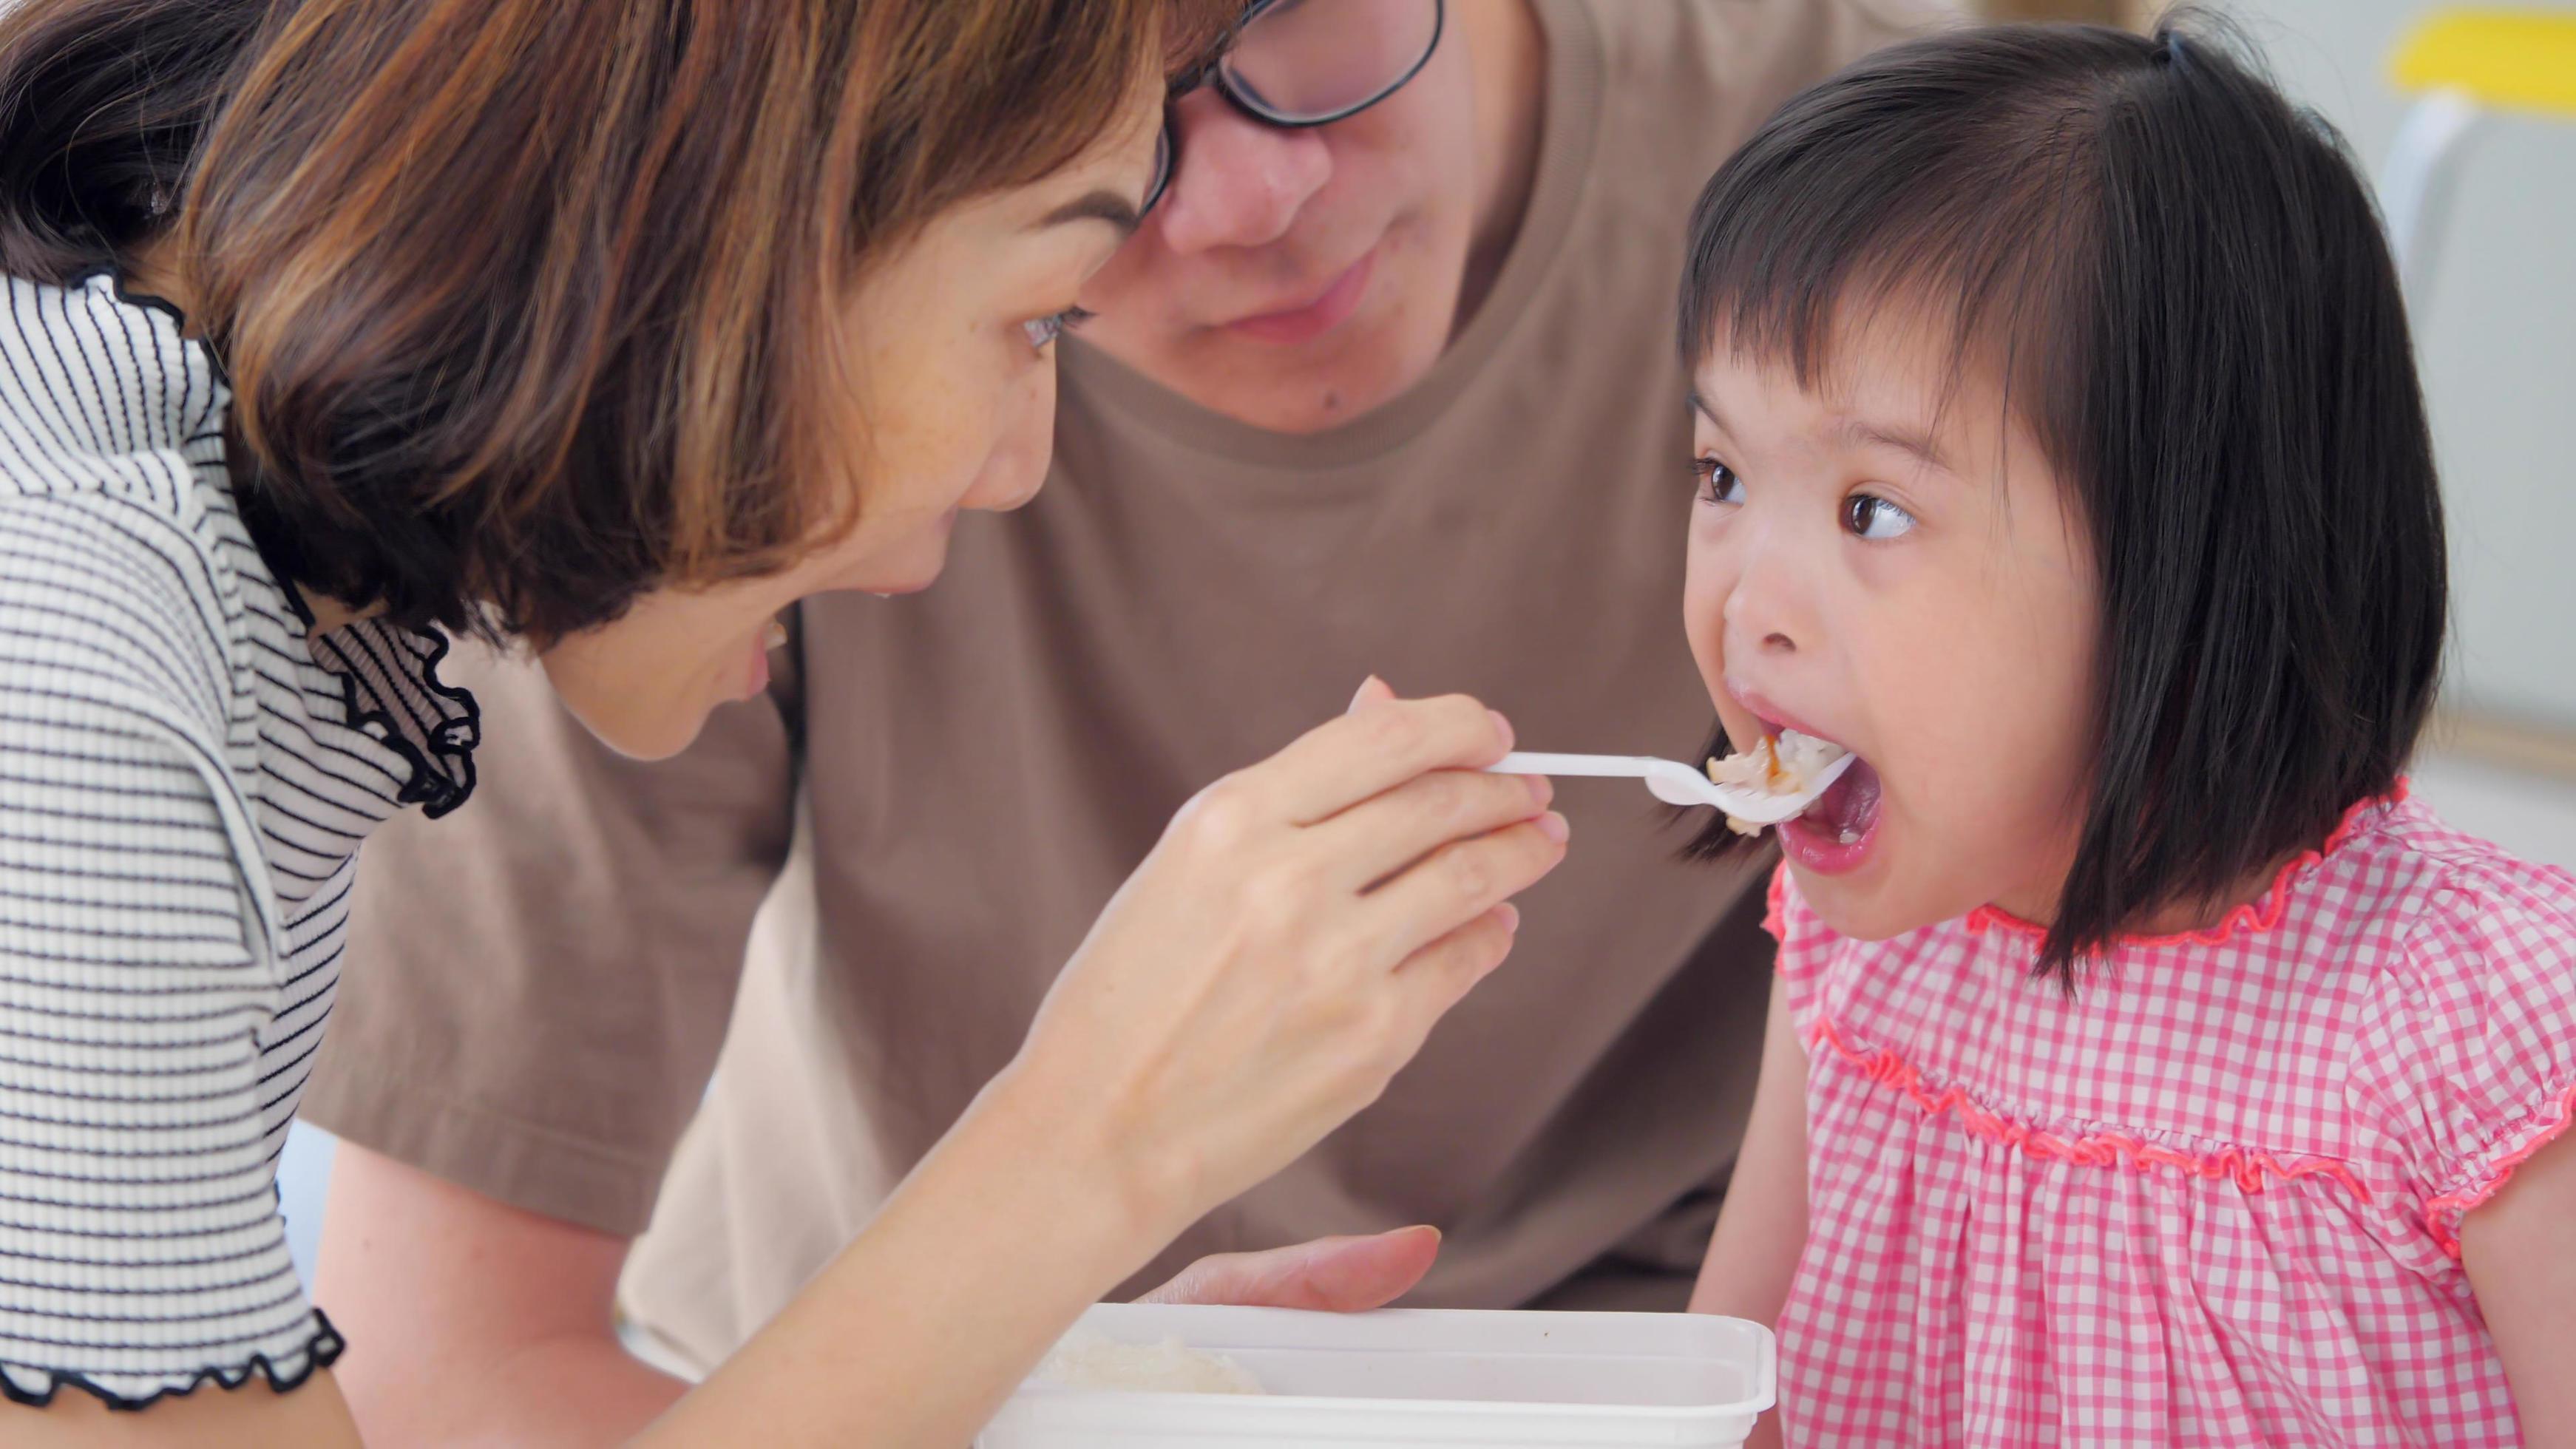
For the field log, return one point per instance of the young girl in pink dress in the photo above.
(2145, 1067)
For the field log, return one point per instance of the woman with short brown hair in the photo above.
(332, 328)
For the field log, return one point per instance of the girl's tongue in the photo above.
(1849, 806)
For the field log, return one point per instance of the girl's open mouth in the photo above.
(1836, 833)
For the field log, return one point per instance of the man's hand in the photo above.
(1328, 1275)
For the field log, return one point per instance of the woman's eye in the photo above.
(1717, 482)
(1873, 517)
(1043, 331)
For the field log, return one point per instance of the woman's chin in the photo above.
(920, 574)
(908, 568)
(640, 724)
(639, 735)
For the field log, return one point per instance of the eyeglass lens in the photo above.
(1312, 60)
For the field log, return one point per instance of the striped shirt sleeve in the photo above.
(141, 1249)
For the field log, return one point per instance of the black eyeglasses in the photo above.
(1297, 64)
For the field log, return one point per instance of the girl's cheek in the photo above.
(1704, 593)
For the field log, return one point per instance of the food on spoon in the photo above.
(1088, 1360)
(1780, 764)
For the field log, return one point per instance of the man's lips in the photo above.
(1310, 319)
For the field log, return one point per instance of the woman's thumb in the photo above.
(1331, 1275)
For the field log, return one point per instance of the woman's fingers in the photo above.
(1327, 1275)
(1287, 946)
(1458, 883)
(1375, 839)
(1379, 745)
(1440, 975)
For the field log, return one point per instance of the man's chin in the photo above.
(1327, 384)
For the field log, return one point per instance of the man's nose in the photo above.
(1240, 183)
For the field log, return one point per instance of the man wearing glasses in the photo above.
(1385, 382)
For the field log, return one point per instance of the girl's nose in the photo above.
(1240, 183)
(1766, 611)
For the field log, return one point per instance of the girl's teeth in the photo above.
(1850, 836)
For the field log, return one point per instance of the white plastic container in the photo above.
(1401, 1378)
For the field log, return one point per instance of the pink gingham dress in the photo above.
(2215, 1198)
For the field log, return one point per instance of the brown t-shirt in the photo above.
(539, 984)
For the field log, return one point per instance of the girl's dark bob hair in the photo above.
(2184, 284)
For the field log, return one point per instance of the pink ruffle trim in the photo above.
(2250, 919)
(2250, 1171)
(1775, 916)
(2443, 1215)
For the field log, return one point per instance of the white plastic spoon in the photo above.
(1675, 783)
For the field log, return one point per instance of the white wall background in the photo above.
(2496, 336)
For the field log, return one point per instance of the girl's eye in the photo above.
(1717, 482)
(1043, 331)
(1873, 517)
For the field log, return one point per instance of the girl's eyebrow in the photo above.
(1854, 433)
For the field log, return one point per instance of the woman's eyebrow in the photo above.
(1106, 206)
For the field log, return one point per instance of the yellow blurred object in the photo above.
(2463, 65)
(2504, 60)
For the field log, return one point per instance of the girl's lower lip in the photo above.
(1809, 841)
(1824, 851)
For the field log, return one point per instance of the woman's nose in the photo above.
(1240, 183)
(1017, 465)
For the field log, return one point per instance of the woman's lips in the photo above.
(1313, 319)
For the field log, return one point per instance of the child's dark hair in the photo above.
(2185, 283)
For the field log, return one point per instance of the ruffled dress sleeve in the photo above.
(2469, 1067)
